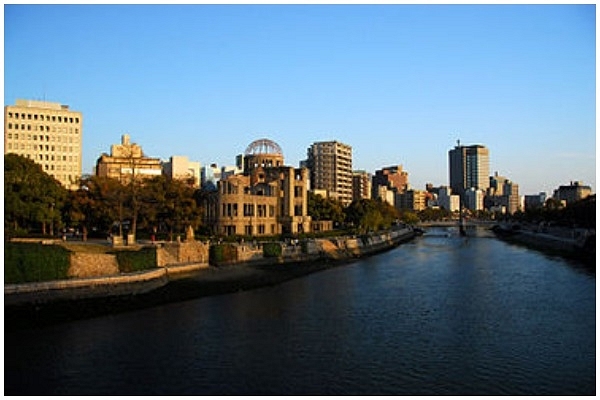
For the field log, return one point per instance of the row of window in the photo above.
(230, 230)
(43, 128)
(231, 210)
(35, 147)
(40, 117)
(47, 157)
(47, 138)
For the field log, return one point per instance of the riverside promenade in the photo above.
(44, 303)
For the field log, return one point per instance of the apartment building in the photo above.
(361, 185)
(48, 133)
(330, 165)
(393, 177)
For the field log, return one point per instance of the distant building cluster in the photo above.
(260, 195)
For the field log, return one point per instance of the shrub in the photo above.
(272, 249)
(136, 260)
(222, 253)
(34, 262)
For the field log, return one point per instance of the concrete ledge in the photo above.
(72, 289)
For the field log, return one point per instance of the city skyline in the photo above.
(398, 83)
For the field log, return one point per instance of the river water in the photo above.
(441, 315)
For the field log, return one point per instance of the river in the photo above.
(441, 315)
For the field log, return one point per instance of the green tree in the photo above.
(32, 199)
(97, 205)
(322, 209)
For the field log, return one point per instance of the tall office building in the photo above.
(469, 168)
(330, 165)
(49, 134)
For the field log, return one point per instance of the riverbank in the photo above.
(177, 283)
(579, 244)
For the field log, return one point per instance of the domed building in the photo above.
(268, 198)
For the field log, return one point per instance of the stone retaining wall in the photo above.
(84, 265)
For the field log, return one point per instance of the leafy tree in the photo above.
(170, 204)
(366, 215)
(322, 209)
(97, 205)
(32, 198)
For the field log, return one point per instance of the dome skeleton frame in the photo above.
(263, 146)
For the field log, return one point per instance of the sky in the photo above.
(399, 83)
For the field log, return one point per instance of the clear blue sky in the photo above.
(399, 83)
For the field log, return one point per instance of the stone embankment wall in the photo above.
(182, 253)
(73, 289)
(173, 259)
(97, 275)
(342, 248)
(84, 265)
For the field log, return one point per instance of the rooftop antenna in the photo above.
(458, 143)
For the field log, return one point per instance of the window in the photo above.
(35, 117)
(76, 120)
(28, 116)
(59, 119)
(248, 230)
(248, 210)
(10, 115)
(261, 229)
(53, 118)
(9, 126)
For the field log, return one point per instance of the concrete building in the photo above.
(179, 167)
(268, 198)
(447, 200)
(535, 201)
(361, 185)
(330, 165)
(386, 194)
(48, 133)
(502, 195)
(127, 160)
(469, 168)
(473, 199)
(393, 177)
(415, 200)
(573, 192)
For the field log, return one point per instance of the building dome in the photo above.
(263, 146)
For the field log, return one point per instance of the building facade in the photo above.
(127, 161)
(573, 192)
(502, 195)
(361, 185)
(48, 133)
(392, 177)
(330, 165)
(447, 200)
(181, 168)
(469, 167)
(415, 200)
(268, 198)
